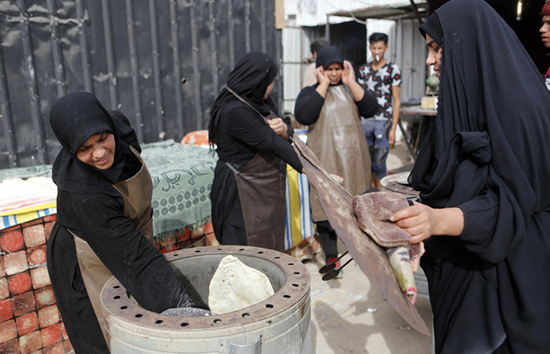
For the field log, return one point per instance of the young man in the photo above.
(545, 34)
(383, 80)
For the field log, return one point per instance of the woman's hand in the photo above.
(324, 81)
(279, 126)
(421, 221)
(348, 75)
(321, 76)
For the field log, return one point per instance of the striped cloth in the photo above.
(299, 225)
(26, 200)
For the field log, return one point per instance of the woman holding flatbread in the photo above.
(483, 173)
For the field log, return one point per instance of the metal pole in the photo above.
(156, 69)
(327, 29)
(56, 51)
(417, 13)
(109, 50)
(83, 39)
(134, 67)
(176, 66)
(30, 75)
(5, 115)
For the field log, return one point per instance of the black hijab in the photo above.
(329, 55)
(74, 118)
(487, 147)
(249, 79)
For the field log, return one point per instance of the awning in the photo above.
(385, 12)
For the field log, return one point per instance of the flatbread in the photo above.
(235, 286)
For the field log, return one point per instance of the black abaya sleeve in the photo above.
(132, 259)
(308, 105)
(244, 125)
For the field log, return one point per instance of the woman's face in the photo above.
(269, 88)
(98, 151)
(334, 73)
(434, 54)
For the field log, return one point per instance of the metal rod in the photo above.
(231, 25)
(30, 76)
(56, 51)
(109, 49)
(416, 12)
(213, 46)
(196, 69)
(263, 24)
(328, 267)
(327, 29)
(134, 67)
(177, 69)
(156, 69)
(280, 80)
(5, 115)
(85, 55)
(247, 24)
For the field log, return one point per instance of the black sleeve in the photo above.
(368, 105)
(249, 128)
(308, 105)
(123, 249)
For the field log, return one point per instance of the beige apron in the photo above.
(338, 140)
(137, 193)
(262, 186)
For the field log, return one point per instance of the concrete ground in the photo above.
(348, 315)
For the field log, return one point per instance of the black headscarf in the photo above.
(249, 79)
(327, 56)
(487, 147)
(74, 118)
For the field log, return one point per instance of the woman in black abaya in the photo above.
(483, 174)
(248, 192)
(104, 221)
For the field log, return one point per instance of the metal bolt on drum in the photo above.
(279, 324)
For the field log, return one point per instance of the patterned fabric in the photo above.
(546, 9)
(379, 83)
(182, 178)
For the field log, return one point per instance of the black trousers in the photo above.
(328, 238)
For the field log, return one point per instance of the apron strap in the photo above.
(245, 102)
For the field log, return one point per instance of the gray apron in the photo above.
(337, 139)
(262, 186)
(137, 193)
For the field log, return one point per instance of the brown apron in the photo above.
(338, 140)
(137, 193)
(262, 187)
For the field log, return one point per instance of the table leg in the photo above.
(407, 139)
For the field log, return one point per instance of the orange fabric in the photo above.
(198, 137)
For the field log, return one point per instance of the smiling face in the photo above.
(545, 31)
(334, 73)
(434, 54)
(98, 151)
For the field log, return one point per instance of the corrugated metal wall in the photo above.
(161, 62)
